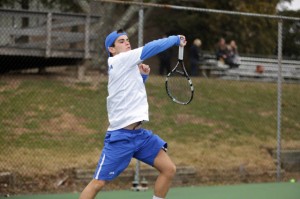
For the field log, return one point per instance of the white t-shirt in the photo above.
(127, 99)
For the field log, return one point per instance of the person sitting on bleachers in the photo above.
(233, 58)
(227, 55)
(221, 53)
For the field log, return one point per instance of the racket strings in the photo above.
(179, 87)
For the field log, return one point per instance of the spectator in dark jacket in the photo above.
(195, 56)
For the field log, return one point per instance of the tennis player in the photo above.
(127, 108)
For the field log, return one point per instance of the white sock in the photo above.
(154, 197)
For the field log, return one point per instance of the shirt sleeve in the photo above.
(154, 47)
(145, 77)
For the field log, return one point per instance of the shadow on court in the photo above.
(244, 191)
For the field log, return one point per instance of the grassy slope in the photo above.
(47, 124)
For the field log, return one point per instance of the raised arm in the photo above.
(154, 47)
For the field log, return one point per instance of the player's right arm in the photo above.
(136, 56)
(154, 47)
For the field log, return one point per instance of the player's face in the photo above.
(122, 44)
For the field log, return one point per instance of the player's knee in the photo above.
(97, 185)
(173, 170)
(170, 171)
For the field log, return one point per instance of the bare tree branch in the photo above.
(108, 23)
(84, 5)
(126, 17)
(134, 28)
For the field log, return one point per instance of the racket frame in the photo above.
(183, 73)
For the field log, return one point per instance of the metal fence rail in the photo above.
(47, 34)
(168, 6)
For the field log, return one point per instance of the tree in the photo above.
(254, 35)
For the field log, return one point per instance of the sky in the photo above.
(294, 5)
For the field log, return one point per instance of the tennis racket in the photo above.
(179, 86)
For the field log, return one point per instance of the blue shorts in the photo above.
(122, 145)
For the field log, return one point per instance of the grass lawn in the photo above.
(48, 124)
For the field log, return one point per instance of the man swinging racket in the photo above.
(127, 108)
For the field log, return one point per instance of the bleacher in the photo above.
(49, 39)
(248, 69)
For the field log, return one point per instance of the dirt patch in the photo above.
(67, 122)
(33, 162)
(10, 85)
(66, 74)
(188, 118)
(208, 154)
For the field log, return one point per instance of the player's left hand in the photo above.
(144, 69)
(182, 40)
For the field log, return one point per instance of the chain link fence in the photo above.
(242, 125)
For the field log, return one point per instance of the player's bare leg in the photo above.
(167, 170)
(91, 190)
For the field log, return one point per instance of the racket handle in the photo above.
(180, 53)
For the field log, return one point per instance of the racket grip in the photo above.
(180, 53)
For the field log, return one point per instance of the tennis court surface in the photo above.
(242, 191)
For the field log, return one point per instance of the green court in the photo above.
(242, 191)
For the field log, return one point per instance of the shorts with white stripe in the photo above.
(122, 145)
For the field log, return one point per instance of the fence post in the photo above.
(49, 29)
(279, 94)
(87, 37)
(140, 43)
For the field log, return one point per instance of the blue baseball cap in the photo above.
(111, 38)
